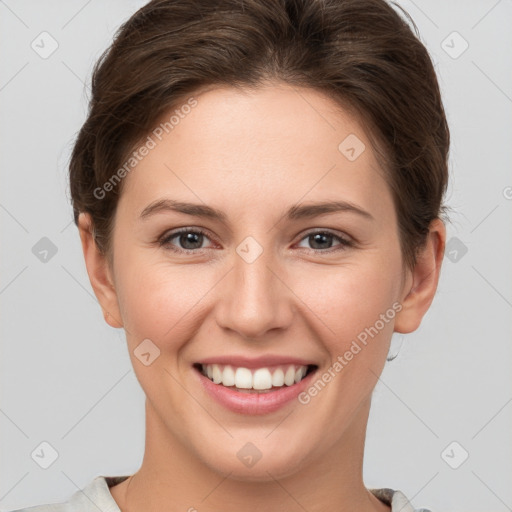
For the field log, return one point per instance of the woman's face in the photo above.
(248, 290)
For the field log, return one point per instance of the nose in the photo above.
(254, 298)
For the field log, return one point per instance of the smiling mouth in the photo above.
(256, 380)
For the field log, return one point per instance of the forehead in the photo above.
(258, 147)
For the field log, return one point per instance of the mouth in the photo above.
(254, 387)
(266, 379)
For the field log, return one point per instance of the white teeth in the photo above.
(278, 378)
(217, 374)
(261, 379)
(289, 376)
(228, 376)
(243, 378)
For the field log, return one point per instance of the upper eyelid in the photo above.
(345, 240)
(169, 235)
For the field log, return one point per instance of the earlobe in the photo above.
(99, 272)
(422, 282)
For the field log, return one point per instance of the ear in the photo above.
(99, 272)
(421, 283)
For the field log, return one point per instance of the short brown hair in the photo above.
(361, 53)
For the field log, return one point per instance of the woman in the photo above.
(258, 189)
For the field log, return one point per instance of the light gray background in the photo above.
(66, 376)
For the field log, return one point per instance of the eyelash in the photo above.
(167, 237)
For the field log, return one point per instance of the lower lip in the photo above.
(253, 403)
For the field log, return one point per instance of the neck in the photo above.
(172, 478)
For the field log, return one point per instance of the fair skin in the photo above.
(253, 155)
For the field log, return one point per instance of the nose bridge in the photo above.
(256, 300)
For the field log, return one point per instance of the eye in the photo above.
(321, 241)
(190, 240)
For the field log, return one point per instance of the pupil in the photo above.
(319, 238)
(192, 238)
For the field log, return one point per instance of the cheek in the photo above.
(158, 299)
(348, 302)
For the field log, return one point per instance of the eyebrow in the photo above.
(307, 211)
(296, 212)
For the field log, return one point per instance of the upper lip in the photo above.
(255, 362)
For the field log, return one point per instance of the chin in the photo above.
(248, 464)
